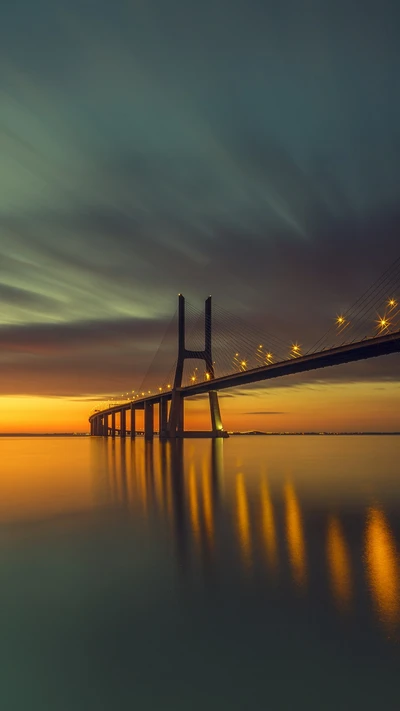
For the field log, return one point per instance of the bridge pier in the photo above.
(176, 416)
(216, 421)
(133, 421)
(123, 423)
(163, 417)
(113, 424)
(105, 425)
(148, 420)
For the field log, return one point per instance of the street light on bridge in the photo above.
(383, 323)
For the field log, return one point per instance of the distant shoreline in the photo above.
(231, 434)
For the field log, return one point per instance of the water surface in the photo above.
(250, 573)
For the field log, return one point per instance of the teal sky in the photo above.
(244, 149)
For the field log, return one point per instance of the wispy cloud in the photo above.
(266, 412)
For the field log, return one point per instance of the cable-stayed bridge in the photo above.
(229, 354)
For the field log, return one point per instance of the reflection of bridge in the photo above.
(222, 519)
(170, 401)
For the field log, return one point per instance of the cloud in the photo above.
(265, 413)
(136, 167)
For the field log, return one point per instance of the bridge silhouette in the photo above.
(170, 399)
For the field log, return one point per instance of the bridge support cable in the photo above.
(248, 347)
(163, 358)
(373, 313)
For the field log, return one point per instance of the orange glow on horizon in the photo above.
(340, 407)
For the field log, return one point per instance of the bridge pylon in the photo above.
(175, 425)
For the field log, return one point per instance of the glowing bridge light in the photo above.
(392, 303)
(193, 378)
(268, 356)
(296, 349)
(383, 322)
(340, 320)
(168, 386)
(208, 376)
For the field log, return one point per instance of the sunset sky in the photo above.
(247, 150)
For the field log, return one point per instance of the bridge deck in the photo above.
(349, 353)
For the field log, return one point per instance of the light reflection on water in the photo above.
(295, 536)
(284, 529)
(339, 563)
(268, 527)
(383, 567)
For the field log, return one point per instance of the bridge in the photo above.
(120, 418)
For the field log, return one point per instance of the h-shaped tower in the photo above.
(175, 426)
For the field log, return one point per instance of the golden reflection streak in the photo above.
(129, 491)
(158, 481)
(207, 504)
(339, 564)
(141, 476)
(243, 519)
(382, 567)
(168, 480)
(268, 526)
(295, 536)
(194, 503)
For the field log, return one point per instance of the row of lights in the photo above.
(266, 357)
(193, 377)
(383, 323)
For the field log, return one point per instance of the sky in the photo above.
(244, 149)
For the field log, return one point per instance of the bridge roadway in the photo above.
(361, 350)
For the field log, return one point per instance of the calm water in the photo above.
(253, 573)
